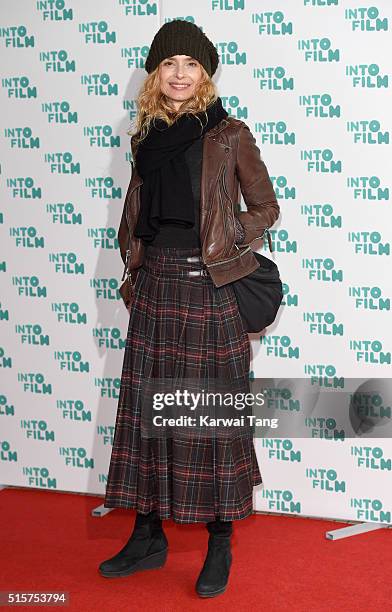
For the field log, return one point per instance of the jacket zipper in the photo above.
(227, 195)
(268, 238)
(266, 231)
(218, 263)
(126, 273)
(223, 213)
(224, 184)
(207, 222)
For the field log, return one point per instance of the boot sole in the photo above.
(212, 593)
(154, 561)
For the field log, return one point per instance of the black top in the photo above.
(171, 235)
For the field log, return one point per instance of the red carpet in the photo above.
(50, 541)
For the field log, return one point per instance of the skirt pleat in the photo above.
(181, 327)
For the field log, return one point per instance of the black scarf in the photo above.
(166, 193)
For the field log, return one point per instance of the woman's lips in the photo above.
(179, 87)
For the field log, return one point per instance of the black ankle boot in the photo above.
(214, 575)
(145, 549)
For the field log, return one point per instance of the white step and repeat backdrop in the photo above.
(312, 79)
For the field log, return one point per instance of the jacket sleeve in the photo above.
(122, 234)
(256, 188)
(123, 230)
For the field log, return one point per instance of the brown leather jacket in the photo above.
(231, 162)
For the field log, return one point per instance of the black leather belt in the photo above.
(191, 273)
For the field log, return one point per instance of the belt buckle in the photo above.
(201, 272)
(195, 272)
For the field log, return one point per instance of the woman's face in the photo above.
(181, 71)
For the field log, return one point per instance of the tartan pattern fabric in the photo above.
(181, 326)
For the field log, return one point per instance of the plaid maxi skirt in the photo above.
(180, 325)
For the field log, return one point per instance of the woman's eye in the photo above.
(167, 62)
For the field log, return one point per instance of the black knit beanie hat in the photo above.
(179, 37)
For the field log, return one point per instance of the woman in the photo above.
(180, 237)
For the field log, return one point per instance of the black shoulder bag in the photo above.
(259, 294)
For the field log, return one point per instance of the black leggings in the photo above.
(219, 527)
(216, 527)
